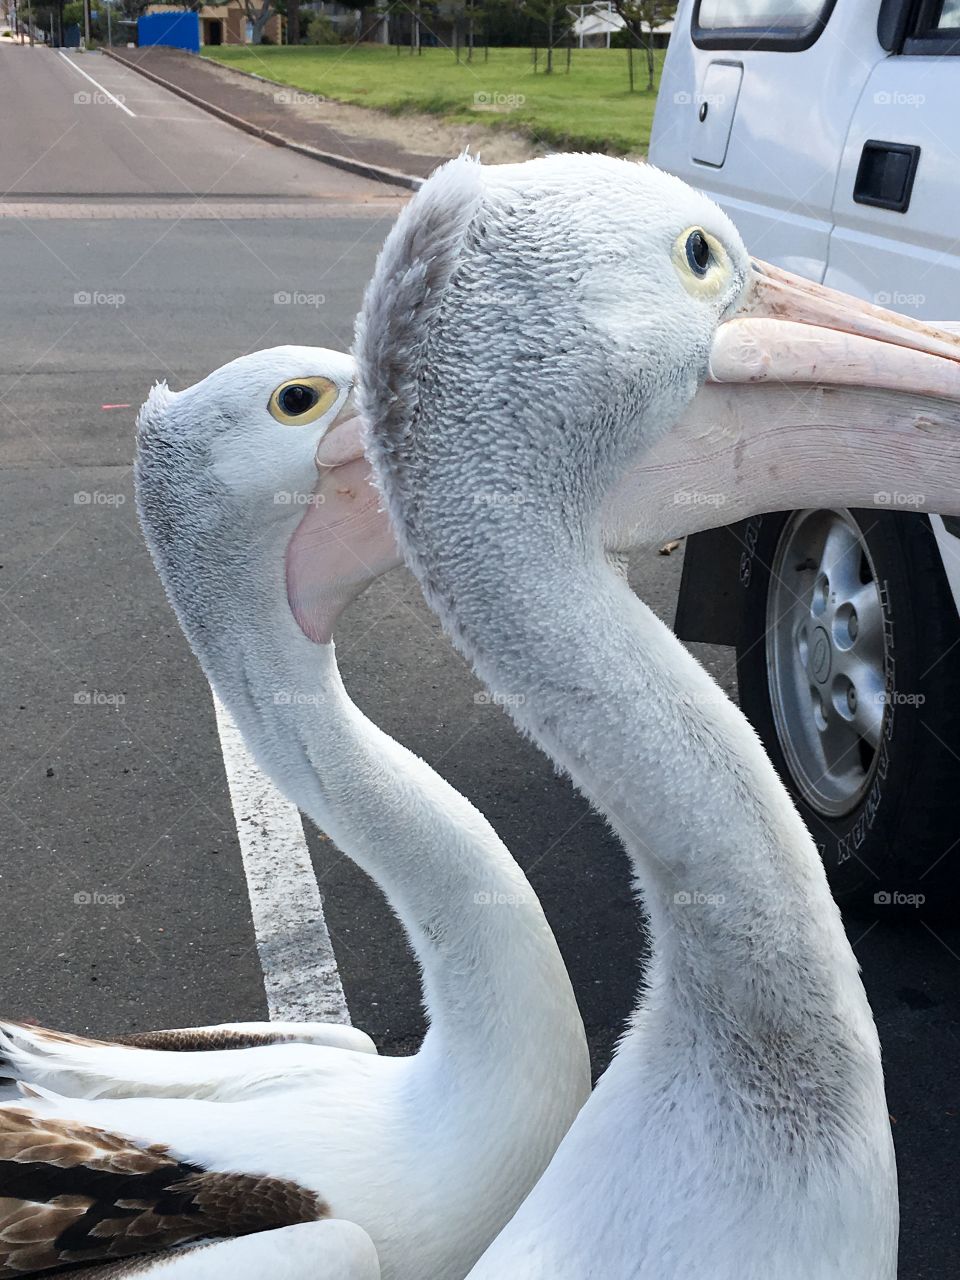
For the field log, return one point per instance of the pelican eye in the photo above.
(302, 400)
(702, 263)
(698, 252)
(297, 399)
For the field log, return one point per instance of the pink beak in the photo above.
(813, 399)
(345, 540)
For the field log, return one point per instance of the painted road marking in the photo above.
(296, 955)
(105, 92)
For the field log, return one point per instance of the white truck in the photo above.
(830, 131)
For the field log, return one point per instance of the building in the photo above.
(226, 23)
(594, 24)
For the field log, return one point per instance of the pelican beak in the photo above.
(813, 398)
(342, 544)
(343, 441)
(344, 541)
(792, 331)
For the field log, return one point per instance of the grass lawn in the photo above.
(591, 107)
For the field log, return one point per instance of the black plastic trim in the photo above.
(778, 39)
(712, 582)
(881, 202)
(893, 22)
(944, 45)
(925, 37)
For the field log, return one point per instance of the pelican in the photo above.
(255, 503)
(541, 332)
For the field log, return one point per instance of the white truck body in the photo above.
(768, 106)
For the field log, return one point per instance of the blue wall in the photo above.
(178, 30)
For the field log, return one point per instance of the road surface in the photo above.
(157, 242)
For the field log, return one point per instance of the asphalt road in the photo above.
(154, 245)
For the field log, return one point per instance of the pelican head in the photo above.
(240, 474)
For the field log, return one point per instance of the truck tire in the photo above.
(848, 663)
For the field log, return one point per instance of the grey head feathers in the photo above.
(524, 334)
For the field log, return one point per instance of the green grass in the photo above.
(590, 108)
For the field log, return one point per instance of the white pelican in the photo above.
(429, 1154)
(540, 332)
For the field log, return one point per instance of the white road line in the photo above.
(105, 92)
(299, 968)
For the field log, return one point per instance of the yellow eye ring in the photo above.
(701, 278)
(299, 401)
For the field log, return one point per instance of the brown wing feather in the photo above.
(71, 1193)
(197, 1039)
(177, 1040)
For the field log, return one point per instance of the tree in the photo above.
(258, 15)
(554, 17)
(640, 17)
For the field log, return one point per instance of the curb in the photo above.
(360, 167)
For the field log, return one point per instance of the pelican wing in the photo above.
(176, 1039)
(227, 1035)
(71, 1193)
(219, 1063)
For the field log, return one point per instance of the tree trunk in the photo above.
(260, 19)
(550, 44)
(293, 21)
(651, 65)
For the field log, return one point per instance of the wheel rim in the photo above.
(826, 658)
